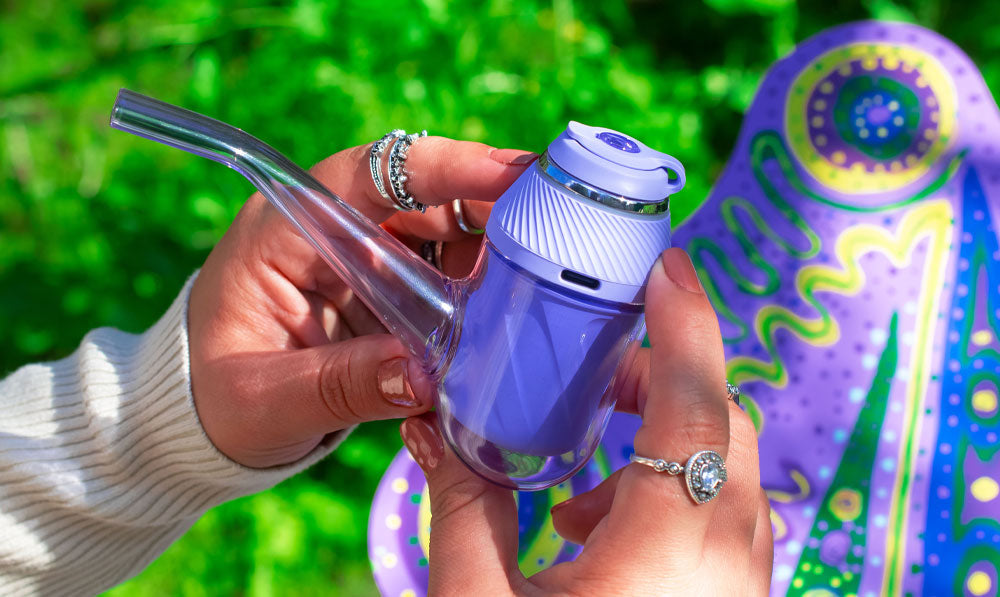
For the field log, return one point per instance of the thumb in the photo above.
(277, 405)
(473, 522)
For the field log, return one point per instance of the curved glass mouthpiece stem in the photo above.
(412, 299)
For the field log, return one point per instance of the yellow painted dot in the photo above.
(859, 121)
(890, 62)
(985, 489)
(845, 69)
(408, 593)
(806, 567)
(882, 132)
(400, 485)
(820, 104)
(835, 582)
(978, 583)
(893, 105)
(826, 87)
(869, 63)
(930, 133)
(984, 402)
(896, 166)
(911, 160)
(863, 133)
(921, 82)
(898, 121)
(879, 169)
(848, 576)
(934, 116)
(390, 560)
(838, 157)
(797, 583)
(982, 337)
(817, 121)
(393, 521)
(907, 68)
(820, 140)
(931, 101)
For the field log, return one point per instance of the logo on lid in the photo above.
(619, 142)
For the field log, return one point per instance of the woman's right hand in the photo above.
(642, 532)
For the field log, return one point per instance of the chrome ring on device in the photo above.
(704, 473)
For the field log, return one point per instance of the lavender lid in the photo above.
(591, 215)
(616, 163)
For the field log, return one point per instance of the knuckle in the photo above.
(706, 426)
(335, 388)
(458, 496)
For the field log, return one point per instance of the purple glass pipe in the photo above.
(524, 350)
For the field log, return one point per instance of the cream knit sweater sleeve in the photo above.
(103, 462)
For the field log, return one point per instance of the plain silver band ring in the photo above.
(431, 252)
(463, 224)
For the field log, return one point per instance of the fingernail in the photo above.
(512, 157)
(423, 442)
(395, 383)
(560, 505)
(678, 267)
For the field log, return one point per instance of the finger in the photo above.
(734, 524)
(685, 412)
(443, 169)
(762, 550)
(473, 522)
(322, 389)
(439, 222)
(438, 170)
(575, 518)
(634, 386)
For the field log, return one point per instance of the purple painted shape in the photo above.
(808, 417)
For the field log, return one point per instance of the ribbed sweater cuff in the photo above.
(104, 463)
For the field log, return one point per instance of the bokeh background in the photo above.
(99, 228)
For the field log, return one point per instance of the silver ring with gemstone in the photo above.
(375, 162)
(398, 176)
(733, 391)
(704, 473)
(463, 224)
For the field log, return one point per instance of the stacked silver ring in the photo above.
(397, 174)
(396, 194)
(375, 161)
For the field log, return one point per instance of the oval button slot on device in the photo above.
(580, 279)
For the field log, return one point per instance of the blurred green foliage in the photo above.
(101, 228)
